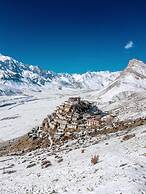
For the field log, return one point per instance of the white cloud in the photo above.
(129, 45)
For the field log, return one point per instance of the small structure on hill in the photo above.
(93, 122)
(74, 99)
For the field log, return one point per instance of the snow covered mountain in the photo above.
(16, 77)
(131, 81)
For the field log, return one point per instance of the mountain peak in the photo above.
(135, 62)
(4, 58)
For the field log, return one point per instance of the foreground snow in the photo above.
(121, 168)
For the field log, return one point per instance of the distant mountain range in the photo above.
(19, 78)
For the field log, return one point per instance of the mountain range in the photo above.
(16, 78)
(19, 78)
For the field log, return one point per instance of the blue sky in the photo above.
(74, 35)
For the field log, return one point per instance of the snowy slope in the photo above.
(130, 81)
(16, 77)
(120, 170)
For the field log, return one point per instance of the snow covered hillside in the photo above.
(18, 78)
(130, 82)
(120, 168)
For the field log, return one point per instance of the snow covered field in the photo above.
(121, 168)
